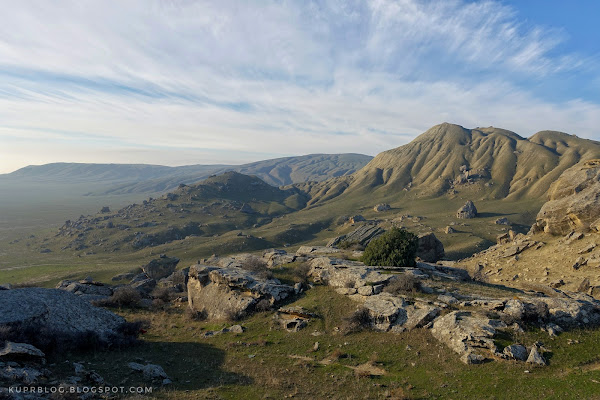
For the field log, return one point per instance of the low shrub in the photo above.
(263, 305)
(396, 248)
(196, 315)
(357, 321)
(301, 272)
(257, 266)
(402, 284)
(125, 296)
(162, 293)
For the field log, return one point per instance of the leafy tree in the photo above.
(397, 247)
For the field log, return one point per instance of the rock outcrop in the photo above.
(467, 211)
(574, 201)
(468, 334)
(229, 293)
(361, 236)
(160, 267)
(382, 207)
(88, 289)
(430, 248)
(57, 311)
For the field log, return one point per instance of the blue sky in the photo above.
(199, 82)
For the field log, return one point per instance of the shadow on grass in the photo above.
(190, 365)
(492, 214)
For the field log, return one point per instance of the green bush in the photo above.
(396, 247)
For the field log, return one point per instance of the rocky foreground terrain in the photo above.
(501, 311)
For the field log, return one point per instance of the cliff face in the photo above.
(574, 201)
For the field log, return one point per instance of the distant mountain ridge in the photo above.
(147, 178)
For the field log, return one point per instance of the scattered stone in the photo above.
(584, 286)
(502, 221)
(382, 207)
(21, 352)
(123, 277)
(553, 329)
(516, 352)
(557, 283)
(503, 238)
(467, 211)
(448, 299)
(293, 319)
(580, 262)
(535, 357)
(356, 218)
(26, 375)
(587, 248)
(85, 287)
(236, 329)
(449, 230)
(472, 358)
(144, 286)
(160, 267)
(152, 372)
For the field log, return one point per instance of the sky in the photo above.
(202, 82)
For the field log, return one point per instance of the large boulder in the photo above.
(229, 293)
(430, 248)
(21, 352)
(384, 309)
(467, 211)
(340, 273)
(160, 267)
(362, 236)
(55, 311)
(574, 201)
(467, 334)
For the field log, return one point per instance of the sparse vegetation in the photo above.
(257, 266)
(122, 297)
(357, 321)
(396, 247)
(195, 315)
(263, 305)
(301, 272)
(402, 284)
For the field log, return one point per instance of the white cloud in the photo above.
(196, 82)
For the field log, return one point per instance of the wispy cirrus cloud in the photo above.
(201, 82)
